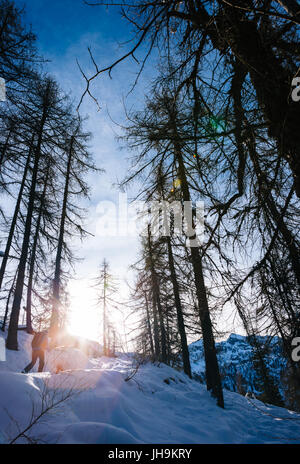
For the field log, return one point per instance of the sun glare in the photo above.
(85, 317)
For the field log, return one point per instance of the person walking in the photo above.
(39, 344)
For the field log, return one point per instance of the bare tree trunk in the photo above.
(5, 146)
(114, 342)
(180, 320)
(15, 217)
(213, 379)
(104, 310)
(12, 337)
(33, 256)
(11, 290)
(157, 301)
(149, 325)
(164, 356)
(57, 275)
(156, 329)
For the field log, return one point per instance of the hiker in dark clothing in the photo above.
(39, 345)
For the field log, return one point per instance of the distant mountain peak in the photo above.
(236, 361)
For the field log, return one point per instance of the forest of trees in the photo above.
(219, 126)
(44, 158)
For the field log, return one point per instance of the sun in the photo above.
(84, 316)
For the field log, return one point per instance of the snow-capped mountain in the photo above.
(236, 362)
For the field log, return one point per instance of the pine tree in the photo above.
(105, 284)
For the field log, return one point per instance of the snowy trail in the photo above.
(159, 405)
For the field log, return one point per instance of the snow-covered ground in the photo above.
(158, 405)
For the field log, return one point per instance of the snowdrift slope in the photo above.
(159, 405)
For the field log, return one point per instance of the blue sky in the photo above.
(59, 24)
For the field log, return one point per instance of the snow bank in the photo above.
(96, 433)
(159, 405)
(18, 393)
(17, 360)
(63, 358)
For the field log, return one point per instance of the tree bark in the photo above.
(180, 319)
(15, 217)
(11, 290)
(12, 337)
(5, 147)
(33, 257)
(156, 328)
(157, 301)
(213, 379)
(57, 275)
(149, 325)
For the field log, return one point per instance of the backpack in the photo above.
(39, 341)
